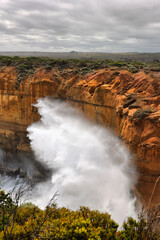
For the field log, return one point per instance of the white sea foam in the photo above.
(91, 167)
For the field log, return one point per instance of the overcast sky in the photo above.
(80, 25)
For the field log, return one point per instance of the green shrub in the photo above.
(29, 222)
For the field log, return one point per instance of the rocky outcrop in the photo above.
(128, 103)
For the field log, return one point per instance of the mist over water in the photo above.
(90, 165)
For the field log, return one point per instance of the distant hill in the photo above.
(142, 57)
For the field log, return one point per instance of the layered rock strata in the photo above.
(125, 102)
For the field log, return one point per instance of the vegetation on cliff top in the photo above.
(26, 66)
(29, 63)
(29, 222)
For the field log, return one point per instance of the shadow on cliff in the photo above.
(24, 165)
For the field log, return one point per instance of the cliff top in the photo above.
(137, 83)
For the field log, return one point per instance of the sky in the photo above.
(80, 25)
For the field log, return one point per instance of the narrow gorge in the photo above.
(128, 103)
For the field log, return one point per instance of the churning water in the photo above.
(90, 165)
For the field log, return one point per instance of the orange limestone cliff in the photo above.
(128, 103)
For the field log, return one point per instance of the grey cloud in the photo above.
(81, 25)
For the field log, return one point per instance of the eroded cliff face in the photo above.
(128, 103)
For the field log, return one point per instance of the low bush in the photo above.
(29, 222)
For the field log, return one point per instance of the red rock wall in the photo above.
(127, 103)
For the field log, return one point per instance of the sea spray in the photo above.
(90, 165)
